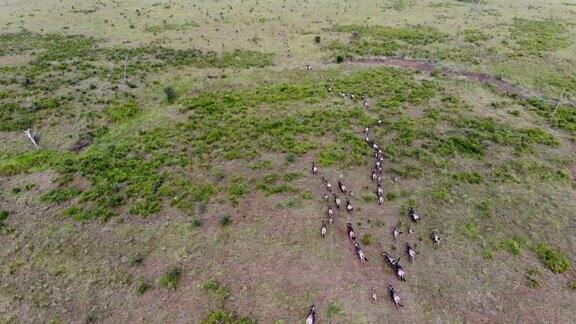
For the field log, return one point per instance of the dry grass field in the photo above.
(170, 176)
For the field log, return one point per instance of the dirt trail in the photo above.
(428, 67)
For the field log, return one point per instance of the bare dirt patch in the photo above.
(14, 60)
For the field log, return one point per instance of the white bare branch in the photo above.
(30, 135)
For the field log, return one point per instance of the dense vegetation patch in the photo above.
(554, 260)
(381, 40)
(536, 37)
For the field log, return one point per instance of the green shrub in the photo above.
(222, 316)
(136, 260)
(4, 215)
(535, 37)
(25, 162)
(513, 245)
(225, 220)
(171, 94)
(391, 195)
(469, 177)
(290, 176)
(556, 261)
(171, 278)
(237, 189)
(142, 286)
(317, 39)
(216, 289)
(470, 230)
(59, 195)
(122, 111)
(145, 208)
(195, 223)
(487, 254)
(474, 36)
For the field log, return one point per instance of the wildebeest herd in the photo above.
(334, 204)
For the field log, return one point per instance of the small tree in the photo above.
(317, 39)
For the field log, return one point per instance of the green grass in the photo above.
(554, 260)
(171, 278)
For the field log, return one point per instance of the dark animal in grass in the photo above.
(434, 236)
(350, 230)
(308, 67)
(399, 271)
(413, 216)
(349, 207)
(390, 260)
(311, 315)
(342, 187)
(337, 200)
(394, 296)
(314, 168)
(330, 213)
(395, 232)
(410, 251)
(379, 190)
(359, 252)
(380, 200)
(323, 230)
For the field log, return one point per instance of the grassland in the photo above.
(172, 182)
